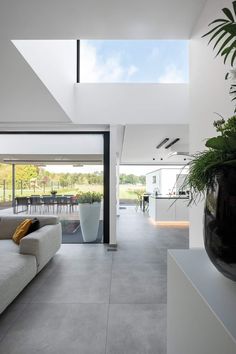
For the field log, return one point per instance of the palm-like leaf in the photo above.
(232, 92)
(224, 32)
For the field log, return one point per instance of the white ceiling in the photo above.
(140, 143)
(51, 159)
(137, 143)
(51, 148)
(57, 19)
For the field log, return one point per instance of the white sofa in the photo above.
(20, 264)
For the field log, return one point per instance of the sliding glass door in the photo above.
(62, 173)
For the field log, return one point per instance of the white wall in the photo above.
(23, 97)
(150, 186)
(54, 61)
(114, 161)
(132, 103)
(166, 180)
(208, 94)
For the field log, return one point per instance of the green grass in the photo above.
(127, 191)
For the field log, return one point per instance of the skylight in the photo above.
(140, 61)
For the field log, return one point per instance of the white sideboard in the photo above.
(201, 306)
(168, 209)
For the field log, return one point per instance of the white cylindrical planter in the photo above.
(89, 220)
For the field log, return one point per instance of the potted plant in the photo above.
(89, 213)
(212, 173)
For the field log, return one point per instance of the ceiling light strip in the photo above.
(162, 143)
(172, 143)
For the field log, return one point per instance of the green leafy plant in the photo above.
(223, 34)
(53, 192)
(206, 165)
(139, 192)
(89, 197)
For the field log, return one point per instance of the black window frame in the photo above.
(78, 61)
(106, 162)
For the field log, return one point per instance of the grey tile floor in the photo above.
(90, 301)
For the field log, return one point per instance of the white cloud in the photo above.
(95, 68)
(132, 69)
(154, 55)
(171, 75)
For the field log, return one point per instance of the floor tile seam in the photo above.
(67, 303)
(13, 321)
(108, 310)
(83, 274)
(111, 276)
(108, 319)
(145, 279)
(159, 263)
(138, 303)
(137, 262)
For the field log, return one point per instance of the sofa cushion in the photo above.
(8, 246)
(9, 223)
(35, 225)
(21, 230)
(16, 271)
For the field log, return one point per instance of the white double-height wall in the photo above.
(208, 94)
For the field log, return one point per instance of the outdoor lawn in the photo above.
(35, 180)
(127, 191)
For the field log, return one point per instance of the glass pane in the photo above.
(147, 61)
(5, 186)
(61, 174)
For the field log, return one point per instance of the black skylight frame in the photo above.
(78, 61)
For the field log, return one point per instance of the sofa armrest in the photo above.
(42, 244)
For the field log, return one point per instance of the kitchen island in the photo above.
(172, 208)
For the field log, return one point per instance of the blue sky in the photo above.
(158, 61)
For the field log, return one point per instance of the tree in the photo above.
(26, 173)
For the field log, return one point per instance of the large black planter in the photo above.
(220, 223)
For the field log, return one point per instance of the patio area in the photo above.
(41, 204)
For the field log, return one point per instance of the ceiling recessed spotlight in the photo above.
(153, 158)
